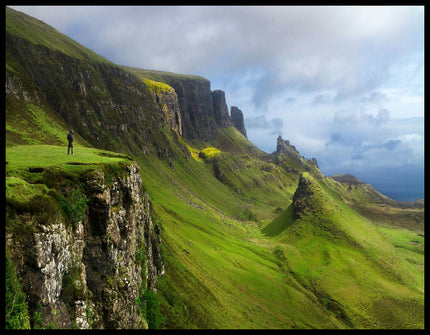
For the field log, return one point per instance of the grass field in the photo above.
(330, 269)
(236, 260)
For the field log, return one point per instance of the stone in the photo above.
(237, 119)
(98, 256)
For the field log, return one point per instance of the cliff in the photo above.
(107, 106)
(83, 246)
(90, 273)
(237, 120)
(203, 111)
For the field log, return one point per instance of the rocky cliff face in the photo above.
(222, 117)
(195, 103)
(284, 146)
(237, 120)
(202, 111)
(167, 100)
(301, 197)
(90, 274)
(107, 106)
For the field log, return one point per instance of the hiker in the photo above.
(70, 139)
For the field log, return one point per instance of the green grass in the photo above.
(34, 125)
(235, 254)
(213, 265)
(44, 156)
(339, 254)
(330, 269)
(160, 76)
(158, 87)
(208, 153)
(39, 33)
(37, 175)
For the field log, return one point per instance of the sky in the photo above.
(343, 84)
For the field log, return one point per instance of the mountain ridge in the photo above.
(242, 238)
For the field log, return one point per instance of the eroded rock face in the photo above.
(301, 197)
(284, 146)
(222, 117)
(237, 119)
(88, 275)
(196, 106)
(167, 100)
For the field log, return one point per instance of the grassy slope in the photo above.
(40, 33)
(377, 207)
(159, 76)
(31, 124)
(330, 269)
(357, 269)
(227, 273)
(34, 169)
(230, 275)
(220, 268)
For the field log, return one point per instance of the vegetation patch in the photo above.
(16, 306)
(209, 153)
(158, 87)
(74, 205)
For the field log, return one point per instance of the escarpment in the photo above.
(166, 98)
(109, 107)
(237, 120)
(202, 110)
(90, 273)
(222, 117)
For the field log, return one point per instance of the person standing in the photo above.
(70, 139)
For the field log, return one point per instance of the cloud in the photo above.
(344, 84)
(360, 141)
(260, 122)
(358, 116)
(391, 144)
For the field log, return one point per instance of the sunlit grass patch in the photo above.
(43, 156)
(208, 153)
(158, 87)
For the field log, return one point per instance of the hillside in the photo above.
(179, 221)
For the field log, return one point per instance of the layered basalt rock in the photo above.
(90, 274)
(222, 117)
(237, 119)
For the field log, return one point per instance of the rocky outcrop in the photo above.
(237, 119)
(195, 104)
(301, 196)
(90, 274)
(202, 111)
(109, 107)
(167, 100)
(313, 161)
(222, 117)
(284, 146)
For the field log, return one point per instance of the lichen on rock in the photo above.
(88, 275)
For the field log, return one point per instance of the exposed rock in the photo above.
(284, 146)
(237, 119)
(89, 274)
(107, 106)
(168, 102)
(313, 161)
(301, 196)
(196, 106)
(222, 117)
